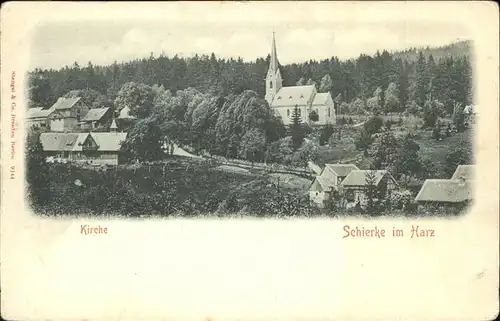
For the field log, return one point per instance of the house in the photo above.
(456, 192)
(284, 100)
(324, 185)
(67, 114)
(356, 186)
(97, 118)
(93, 148)
(125, 120)
(445, 193)
(38, 117)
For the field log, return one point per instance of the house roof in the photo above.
(125, 113)
(95, 114)
(38, 112)
(465, 171)
(109, 141)
(293, 95)
(77, 147)
(321, 98)
(358, 177)
(74, 141)
(341, 169)
(445, 190)
(58, 141)
(65, 103)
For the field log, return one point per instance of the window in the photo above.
(329, 112)
(288, 112)
(271, 84)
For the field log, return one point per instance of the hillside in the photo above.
(457, 49)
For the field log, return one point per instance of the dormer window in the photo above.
(279, 97)
(290, 97)
(301, 96)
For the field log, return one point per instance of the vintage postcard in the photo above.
(250, 161)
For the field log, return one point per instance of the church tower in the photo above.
(273, 78)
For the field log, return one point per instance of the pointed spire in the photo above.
(113, 126)
(274, 56)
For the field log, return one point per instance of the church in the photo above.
(283, 100)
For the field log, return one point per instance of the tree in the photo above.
(373, 125)
(252, 144)
(325, 134)
(307, 152)
(313, 116)
(137, 96)
(391, 98)
(408, 163)
(419, 81)
(326, 84)
(385, 152)
(375, 103)
(37, 172)
(301, 81)
(458, 117)
(310, 82)
(90, 97)
(357, 107)
(461, 155)
(370, 181)
(296, 129)
(363, 141)
(144, 141)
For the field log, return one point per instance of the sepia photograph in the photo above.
(155, 119)
(222, 161)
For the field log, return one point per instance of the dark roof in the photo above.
(341, 169)
(445, 190)
(358, 177)
(95, 114)
(65, 103)
(464, 171)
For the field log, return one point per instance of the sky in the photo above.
(55, 44)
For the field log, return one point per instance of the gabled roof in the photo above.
(65, 103)
(358, 177)
(445, 190)
(82, 137)
(125, 113)
(95, 114)
(293, 95)
(464, 171)
(38, 112)
(341, 169)
(58, 141)
(113, 124)
(109, 141)
(321, 98)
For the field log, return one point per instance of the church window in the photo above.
(329, 112)
(271, 84)
(288, 112)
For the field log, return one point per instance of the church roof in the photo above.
(321, 98)
(293, 95)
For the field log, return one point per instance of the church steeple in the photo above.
(273, 78)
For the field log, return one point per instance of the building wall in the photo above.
(63, 124)
(286, 113)
(325, 112)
